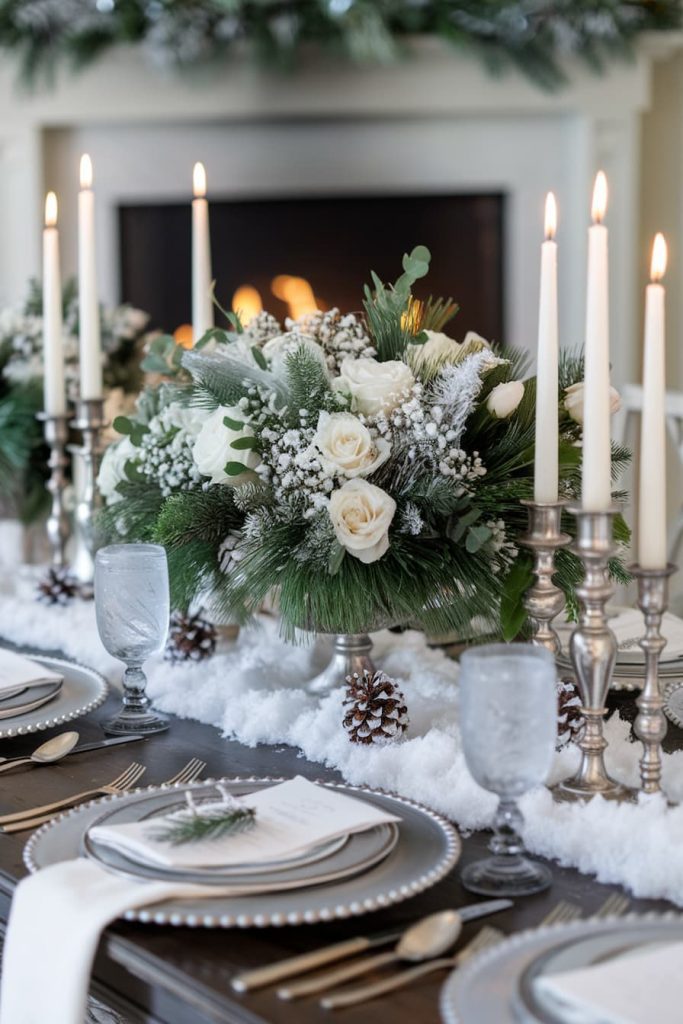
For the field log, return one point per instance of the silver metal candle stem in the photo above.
(593, 650)
(650, 723)
(56, 430)
(544, 600)
(90, 421)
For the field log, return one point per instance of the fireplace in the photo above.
(330, 243)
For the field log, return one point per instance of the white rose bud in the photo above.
(438, 349)
(374, 387)
(573, 401)
(112, 469)
(346, 445)
(361, 515)
(505, 398)
(213, 448)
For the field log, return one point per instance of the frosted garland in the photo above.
(253, 692)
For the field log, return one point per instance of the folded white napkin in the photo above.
(17, 672)
(642, 987)
(628, 627)
(291, 818)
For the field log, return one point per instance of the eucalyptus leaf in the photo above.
(259, 357)
(232, 424)
(336, 558)
(235, 468)
(241, 444)
(477, 536)
(512, 611)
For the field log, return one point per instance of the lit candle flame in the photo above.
(550, 216)
(246, 302)
(50, 210)
(599, 198)
(199, 180)
(86, 171)
(659, 257)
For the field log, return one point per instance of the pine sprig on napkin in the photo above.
(194, 824)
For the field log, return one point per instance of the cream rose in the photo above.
(505, 398)
(213, 448)
(573, 401)
(374, 387)
(437, 349)
(347, 447)
(472, 338)
(112, 469)
(361, 515)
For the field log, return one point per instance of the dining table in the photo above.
(179, 975)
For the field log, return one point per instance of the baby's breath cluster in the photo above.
(293, 468)
(165, 451)
(339, 335)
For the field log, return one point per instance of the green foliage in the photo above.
(386, 307)
(308, 386)
(194, 826)
(221, 380)
(535, 38)
(164, 356)
(23, 453)
(133, 518)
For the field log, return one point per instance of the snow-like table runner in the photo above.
(253, 691)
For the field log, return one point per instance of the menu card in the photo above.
(291, 818)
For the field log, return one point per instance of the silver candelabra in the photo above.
(56, 430)
(650, 723)
(89, 420)
(593, 649)
(544, 600)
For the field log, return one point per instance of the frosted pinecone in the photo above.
(230, 553)
(375, 709)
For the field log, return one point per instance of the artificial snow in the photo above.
(253, 691)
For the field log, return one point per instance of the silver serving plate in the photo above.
(489, 989)
(82, 690)
(428, 848)
(334, 861)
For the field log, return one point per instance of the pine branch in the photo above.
(197, 825)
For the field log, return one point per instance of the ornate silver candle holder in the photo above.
(650, 723)
(593, 650)
(89, 420)
(544, 600)
(56, 430)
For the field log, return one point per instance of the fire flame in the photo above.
(199, 180)
(550, 216)
(297, 293)
(246, 302)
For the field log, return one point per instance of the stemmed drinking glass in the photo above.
(508, 719)
(132, 605)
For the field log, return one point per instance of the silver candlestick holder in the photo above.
(544, 600)
(650, 724)
(89, 420)
(593, 650)
(56, 431)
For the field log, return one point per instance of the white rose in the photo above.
(277, 349)
(361, 515)
(573, 401)
(112, 469)
(213, 448)
(472, 338)
(374, 387)
(438, 348)
(346, 445)
(505, 398)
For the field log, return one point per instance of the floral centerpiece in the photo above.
(22, 455)
(368, 468)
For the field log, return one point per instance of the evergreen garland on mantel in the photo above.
(534, 35)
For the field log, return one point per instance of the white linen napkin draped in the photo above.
(641, 987)
(17, 672)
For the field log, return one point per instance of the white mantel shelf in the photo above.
(436, 122)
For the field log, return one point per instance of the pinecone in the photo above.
(376, 709)
(58, 586)
(570, 721)
(230, 553)
(190, 638)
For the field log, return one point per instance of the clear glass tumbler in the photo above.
(508, 721)
(132, 605)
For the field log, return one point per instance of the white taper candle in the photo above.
(202, 305)
(53, 336)
(652, 490)
(90, 348)
(596, 474)
(546, 459)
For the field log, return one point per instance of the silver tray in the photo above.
(428, 848)
(82, 691)
(487, 989)
(341, 859)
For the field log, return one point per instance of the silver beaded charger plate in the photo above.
(332, 861)
(82, 690)
(496, 987)
(428, 848)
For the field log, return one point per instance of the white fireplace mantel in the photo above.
(435, 123)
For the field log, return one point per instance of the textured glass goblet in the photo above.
(132, 605)
(508, 721)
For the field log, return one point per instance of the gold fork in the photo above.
(38, 815)
(192, 770)
(615, 905)
(563, 913)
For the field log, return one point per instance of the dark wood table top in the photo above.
(179, 975)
